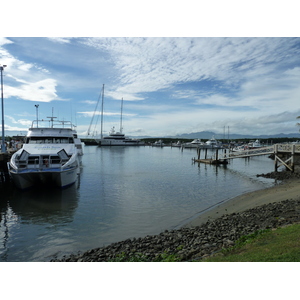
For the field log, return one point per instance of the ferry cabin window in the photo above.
(50, 140)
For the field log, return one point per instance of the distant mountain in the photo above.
(210, 134)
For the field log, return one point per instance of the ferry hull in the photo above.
(60, 179)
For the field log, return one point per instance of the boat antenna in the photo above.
(51, 119)
(121, 116)
(102, 111)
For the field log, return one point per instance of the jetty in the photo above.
(287, 155)
(4, 158)
(215, 160)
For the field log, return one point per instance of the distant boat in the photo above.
(50, 156)
(178, 144)
(116, 138)
(213, 144)
(255, 144)
(252, 145)
(158, 143)
(194, 144)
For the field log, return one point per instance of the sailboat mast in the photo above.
(121, 116)
(102, 112)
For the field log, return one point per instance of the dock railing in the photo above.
(248, 153)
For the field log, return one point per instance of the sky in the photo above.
(170, 85)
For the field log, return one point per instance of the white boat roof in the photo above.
(43, 131)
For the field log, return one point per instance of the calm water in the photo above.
(122, 193)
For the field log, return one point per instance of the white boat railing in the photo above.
(41, 162)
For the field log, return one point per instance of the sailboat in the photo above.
(116, 138)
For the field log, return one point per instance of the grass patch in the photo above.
(280, 245)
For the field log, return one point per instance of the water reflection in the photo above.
(124, 193)
(42, 205)
(25, 215)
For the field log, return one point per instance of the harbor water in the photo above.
(122, 192)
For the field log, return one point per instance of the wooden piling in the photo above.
(198, 152)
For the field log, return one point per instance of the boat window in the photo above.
(63, 155)
(50, 140)
(24, 155)
(33, 160)
(54, 159)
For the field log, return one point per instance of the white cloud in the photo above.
(42, 91)
(61, 40)
(152, 64)
(89, 102)
(203, 83)
(97, 113)
(22, 122)
(4, 41)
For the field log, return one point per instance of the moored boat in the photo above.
(196, 143)
(50, 156)
(118, 139)
(158, 143)
(213, 144)
(254, 145)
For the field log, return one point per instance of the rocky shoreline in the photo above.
(193, 244)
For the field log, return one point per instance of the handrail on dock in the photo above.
(284, 154)
(248, 153)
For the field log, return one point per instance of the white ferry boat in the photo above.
(50, 156)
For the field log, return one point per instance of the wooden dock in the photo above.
(4, 158)
(211, 161)
(287, 155)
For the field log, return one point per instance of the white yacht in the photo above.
(194, 144)
(213, 144)
(255, 144)
(50, 156)
(118, 139)
(158, 143)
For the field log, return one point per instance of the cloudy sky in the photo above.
(170, 85)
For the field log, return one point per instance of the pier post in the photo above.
(293, 158)
(205, 153)
(198, 152)
(275, 154)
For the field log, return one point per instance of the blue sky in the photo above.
(170, 85)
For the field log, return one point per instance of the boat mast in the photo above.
(121, 116)
(102, 112)
(52, 119)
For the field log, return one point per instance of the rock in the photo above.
(192, 243)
